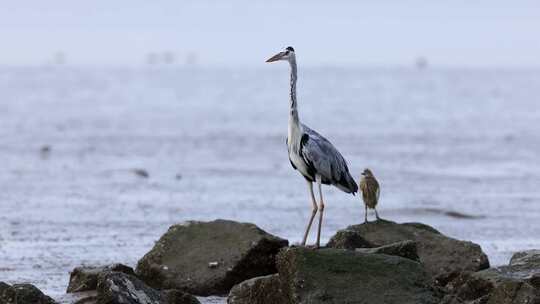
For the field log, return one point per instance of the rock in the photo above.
(448, 299)
(23, 294)
(529, 259)
(87, 300)
(420, 226)
(348, 239)
(406, 249)
(174, 296)
(466, 288)
(514, 292)
(120, 288)
(259, 290)
(516, 283)
(180, 259)
(344, 276)
(85, 278)
(440, 254)
(83, 297)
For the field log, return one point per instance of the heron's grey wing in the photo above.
(326, 161)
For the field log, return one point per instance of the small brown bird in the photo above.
(370, 191)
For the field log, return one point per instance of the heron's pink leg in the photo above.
(313, 212)
(321, 208)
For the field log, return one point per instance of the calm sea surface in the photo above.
(213, 144)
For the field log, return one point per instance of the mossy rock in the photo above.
(406, 249)
(342, 276)
(85, 278)
(518, 282)
(259, 290)
(440, 254)
(209, 258)
(23, 294)
(121, 288)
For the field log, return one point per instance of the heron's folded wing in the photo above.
(326, 160)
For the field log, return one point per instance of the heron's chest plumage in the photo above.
(295, 155)
(298, 162)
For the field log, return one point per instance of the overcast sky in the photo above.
(229, 33)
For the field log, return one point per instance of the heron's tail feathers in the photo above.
(347, 184)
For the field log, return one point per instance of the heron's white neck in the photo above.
(294, 121)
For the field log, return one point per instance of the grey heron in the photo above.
(370, 192)
(311, 154)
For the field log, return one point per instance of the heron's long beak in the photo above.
(276, 57)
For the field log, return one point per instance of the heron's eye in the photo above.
(287, 52)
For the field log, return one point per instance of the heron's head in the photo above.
(367, 172)
(287, 54)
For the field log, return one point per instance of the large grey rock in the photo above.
(209, 258)
(259, 290)
(519, 282)
(121, 288)
(441, 255)
(85, 278)
(23, 294)
(341, 276)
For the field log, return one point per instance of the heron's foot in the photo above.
(312, 247)
(366, 222)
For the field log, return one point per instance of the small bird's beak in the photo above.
(276, 57)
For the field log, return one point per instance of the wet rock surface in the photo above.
(519, 282)
(209, 258)
(340, 276)
(440, 254)
(528, 260)
(259, 290)
(23, 294)
(405, 249)
(83, 297)
(348, 239)
(174, 296)
(121, 288)
(85, 278)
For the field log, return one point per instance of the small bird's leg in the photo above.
(313, 212)
(376, 214)
(321, 208)
(365, 215)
